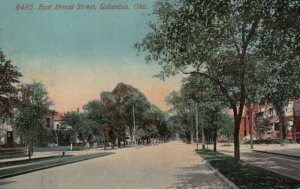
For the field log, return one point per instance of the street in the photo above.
(168, 165)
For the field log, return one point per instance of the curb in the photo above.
(279, 154)
(231, 184)
(49, 166)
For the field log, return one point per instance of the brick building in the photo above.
(267, 111)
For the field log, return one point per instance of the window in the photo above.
(288, 110)
(10, 137)
(48, 122)
(277, 127)
(271, 112)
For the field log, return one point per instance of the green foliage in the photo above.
(9, 77)
(183, 113)
(126, 98)
(245, 175)
(95, 111)
(112, 116)
(70, 119)
(226, 125)
(86, 129)
(262, 125)
(82, 124)
(29, 121)
(223, 41)
(264, 141)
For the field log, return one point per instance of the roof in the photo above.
(58, 116)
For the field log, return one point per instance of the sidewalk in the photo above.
(55, 153)
(74, 152)
(287, 149)
(279, 164)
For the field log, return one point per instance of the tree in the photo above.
(174, 126)
(109, 129)
(69, 123)
(217, 40)
(81, 124)
(281, 84)
(227, 128)
(210, 101)
(125, 98)
(29, 121)
(86, 129)
(95, 112)
(119, 107)
(182, 109)
(262, 125)
(153, 119)
(9, 77)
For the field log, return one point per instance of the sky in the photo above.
(77, 54)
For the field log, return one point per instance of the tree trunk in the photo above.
(104, 141)
(280, 112)
(214, 125)
(30, 150)
(131, 138)
(124, 140)
(236, 138)
(250, 125)
(192, 138)
(228, 139)
(215, 139)
(236, 133)
(203, 134)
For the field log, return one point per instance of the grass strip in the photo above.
(33, 160)
(31, 167)
(245, 175)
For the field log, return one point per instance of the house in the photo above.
(296, 123)
(57, 123)
(268, 112)
(10, 138)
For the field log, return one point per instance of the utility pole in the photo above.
(133, 116)
(197, 120)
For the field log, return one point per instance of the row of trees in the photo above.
(211, 109)
(123, 111)
(249, 50)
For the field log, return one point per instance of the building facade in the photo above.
(10, 138)
(268, 112)
(8, 135)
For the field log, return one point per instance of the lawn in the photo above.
(27, 167)
(245, 175)
(33, 160)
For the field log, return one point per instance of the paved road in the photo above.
(170, 165)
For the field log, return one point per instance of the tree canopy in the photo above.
(9, 77)
(30, 117)
(221, 40)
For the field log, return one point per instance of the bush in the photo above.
(264, 141)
